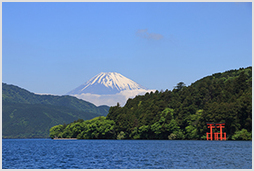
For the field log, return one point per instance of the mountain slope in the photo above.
(34, 120)
(27, 115)
(16, 94)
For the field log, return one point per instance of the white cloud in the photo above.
(143, 33)
(112, 99)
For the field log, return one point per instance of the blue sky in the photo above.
(55, 47)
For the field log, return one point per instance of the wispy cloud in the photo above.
(143, 33)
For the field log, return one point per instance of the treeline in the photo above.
(181, 113)
(97, 128)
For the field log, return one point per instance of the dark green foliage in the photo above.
(180, 86)
(27, 115)
(242, 135)
(222, 97)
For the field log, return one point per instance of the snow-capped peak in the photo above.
(113, 79)
(107, 83)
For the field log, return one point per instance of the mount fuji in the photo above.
(108, 88)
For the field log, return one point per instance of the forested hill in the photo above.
(15, 94)
(178, 114)
(183, 112)
(29, 115)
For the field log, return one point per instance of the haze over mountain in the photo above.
(108, 88)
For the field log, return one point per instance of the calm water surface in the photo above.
(125, 154)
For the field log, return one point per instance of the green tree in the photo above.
(55, 131)
(180, 86)
(242, 135)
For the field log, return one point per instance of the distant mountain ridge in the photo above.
(15, 94)
(108, 88)
(23, 109)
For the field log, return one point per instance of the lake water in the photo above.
(125, 154)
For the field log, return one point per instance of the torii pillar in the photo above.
(210, 125)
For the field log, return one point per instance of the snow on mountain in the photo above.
(106, 83)
(108, 88)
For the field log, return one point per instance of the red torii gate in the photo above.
(216, 134)
(221, 125)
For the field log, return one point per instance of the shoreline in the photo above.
(64, 138)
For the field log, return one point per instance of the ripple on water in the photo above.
(125, 154)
